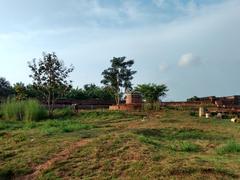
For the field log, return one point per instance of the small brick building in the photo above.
(134, 98)
(133, 102)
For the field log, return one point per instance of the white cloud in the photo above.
(189, 59)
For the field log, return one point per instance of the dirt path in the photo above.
(63, 155)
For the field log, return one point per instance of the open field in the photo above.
(168, 144)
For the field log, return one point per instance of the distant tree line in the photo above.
(51, 81)
(20, 91)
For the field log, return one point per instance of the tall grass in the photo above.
(231, 147)
(28, 110)
(33, 111)
(13, 110)
(151, 106)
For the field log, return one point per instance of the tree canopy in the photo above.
(5, 88)
(20, 91)
(50, 77)
(118, 76)
(152, 92)
(90, 91)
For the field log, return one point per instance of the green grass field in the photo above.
(168, 144)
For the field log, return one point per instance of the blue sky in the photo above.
(191, 45)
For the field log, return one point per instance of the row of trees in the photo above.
(22, 92)
(19, 90)
(51, 81)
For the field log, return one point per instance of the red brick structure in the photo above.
(134, 98)
(133, 102)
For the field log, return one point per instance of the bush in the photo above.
(64, 112)
(23, 110)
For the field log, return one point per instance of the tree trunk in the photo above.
(117, 95)
(49, 103)
(118, 99)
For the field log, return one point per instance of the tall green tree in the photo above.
(20, 91)
(5, 88)
(118, 76)
(152, 92)
(50, 77)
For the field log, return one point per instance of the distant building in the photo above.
(226, 101)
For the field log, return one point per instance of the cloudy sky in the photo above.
(191, 45)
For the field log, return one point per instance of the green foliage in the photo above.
(13, 109)
(76, 93)
(152, 92)
(5, 88)
(50, 77)
(185, 147)
(34, 111)
(33, 92)
(149, 140)
(231, 147)
(94, 92)
(20, 91)
(118, 76)
(91, 91)
(64, 112)
(102, 115)
(118, 148)
(57, 126)
(185, 134)
(23, 110)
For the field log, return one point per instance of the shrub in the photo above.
(23, 110)
(231, 147)
(64, 112)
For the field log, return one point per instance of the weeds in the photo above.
(56, 126)
(33, 111)
(29, 110)
(185, 147)
(231, 147)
